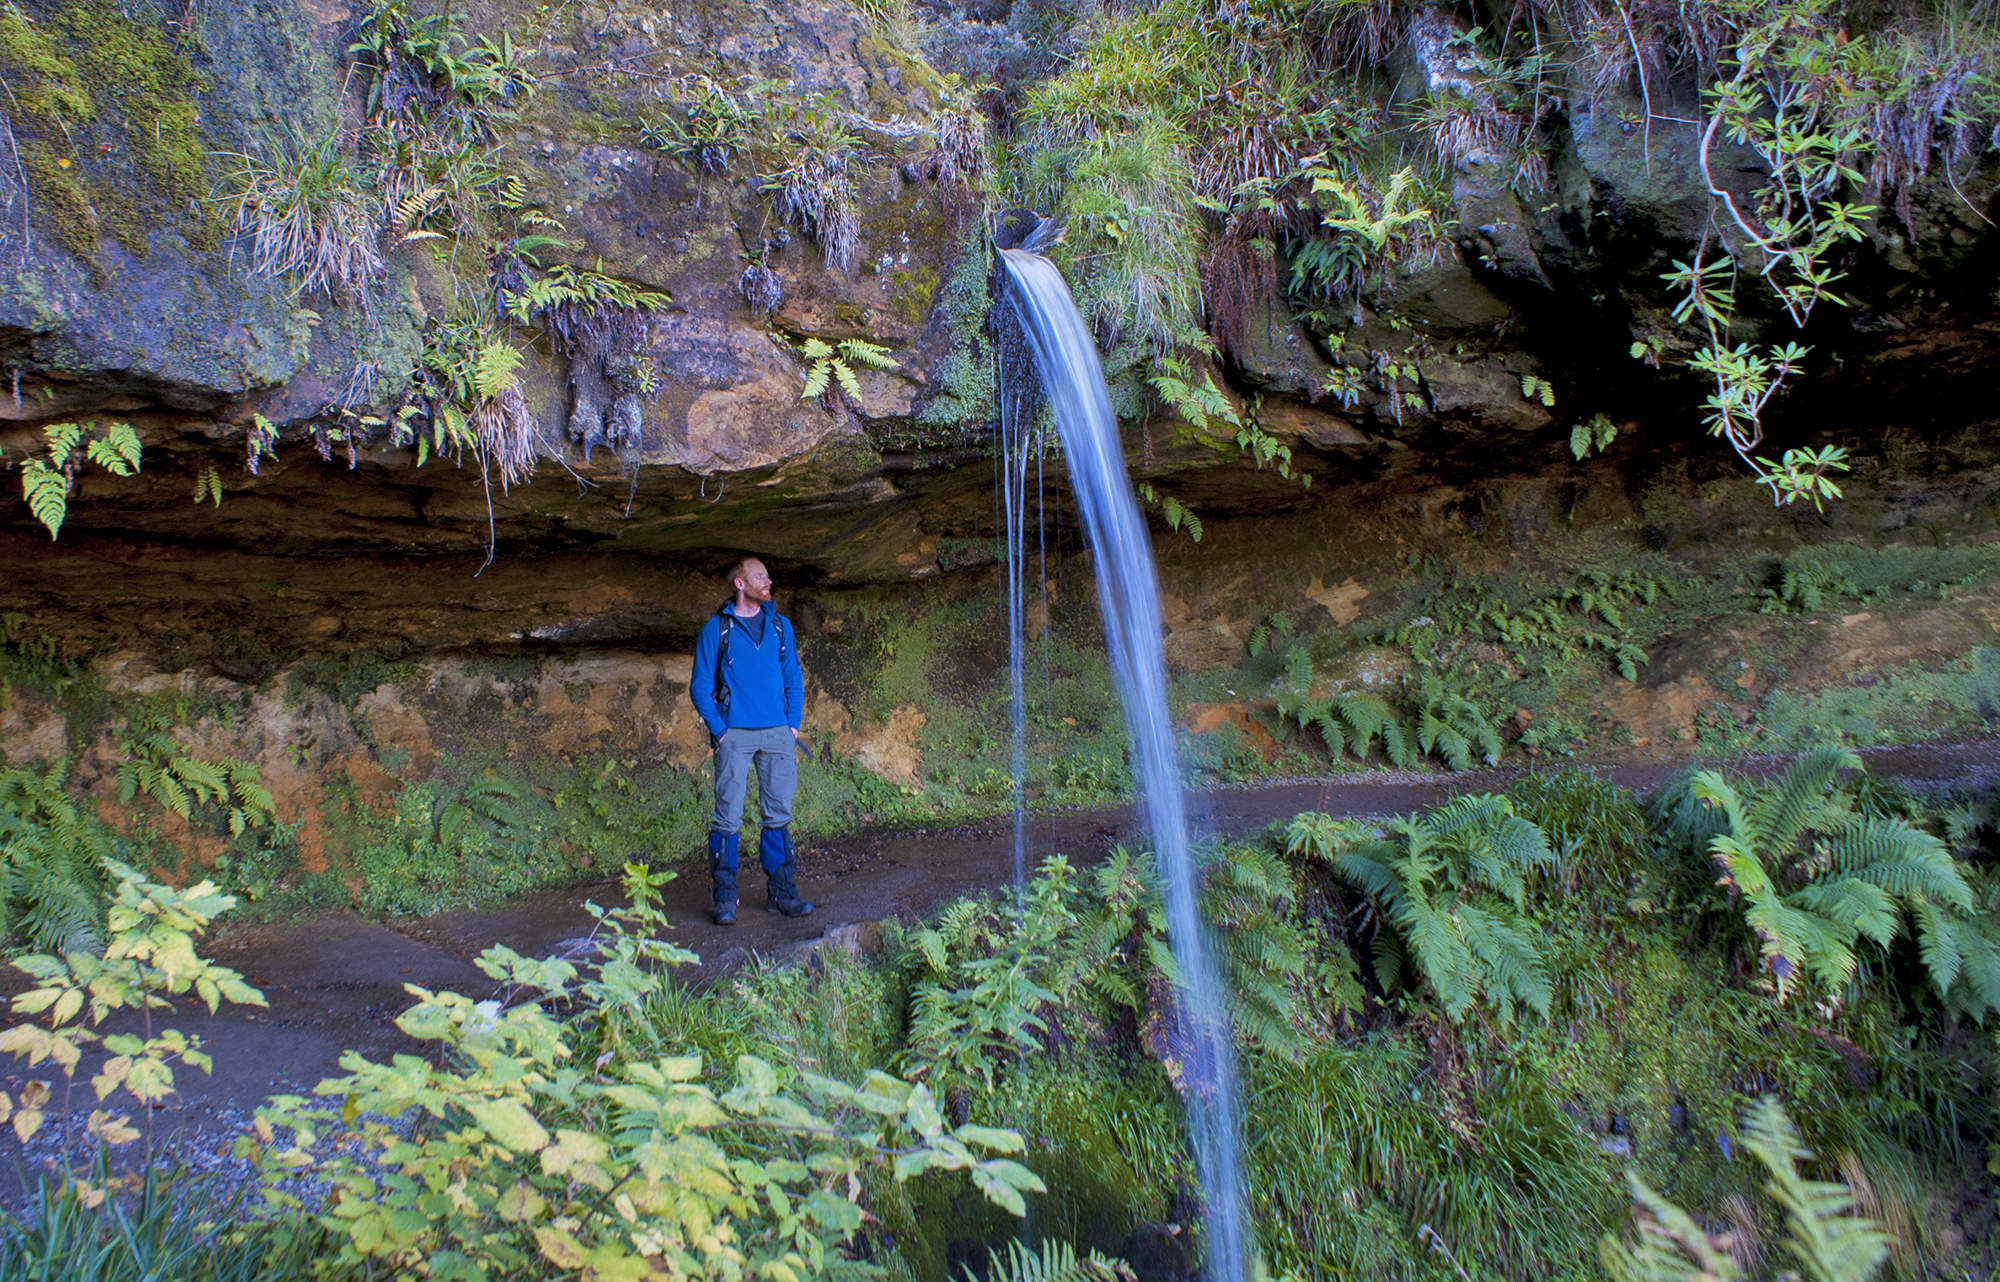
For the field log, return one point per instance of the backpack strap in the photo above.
(722, 617)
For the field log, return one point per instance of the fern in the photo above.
(47, 492)
(1451, 885)
(1056, 1262)
(117, 451)
(46, 483)
(1179, 516)
(1816, 878)
(208, 484)
(157, 768)
(51, 856)
(831, 366)
(1829, 1243)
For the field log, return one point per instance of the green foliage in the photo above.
(563, 286)
(46, 482)
(1346, 720)
(1264, 448)
(156, 767)
(148, 958)
(420, 59)
(1450, 887)
(715, 125)
(173, 1227)
(1814, 578)
(1597, 434)
(1596, 830)
(1585, 614)
(1434, 717)
(442, 847)
(834, 365)
(1056, 1262)
(51, 853)
(308, 215)
(1815, 877)
(1814, 105)
(1828, 1242)
(987, 986)
(631, 1166)
(811, 187)
(1177, 514)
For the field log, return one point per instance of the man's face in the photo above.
(755, 582)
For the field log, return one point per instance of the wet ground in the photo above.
(335, 982)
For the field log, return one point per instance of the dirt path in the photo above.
(335, 981)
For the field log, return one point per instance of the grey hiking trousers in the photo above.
(773, 750)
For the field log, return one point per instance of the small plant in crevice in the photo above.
(811, 188)
(716, 123)
(308, 216)
(465, 397)
(1594, 435)
(830, 369)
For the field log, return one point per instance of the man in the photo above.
(749, 689)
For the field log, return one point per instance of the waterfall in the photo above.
(1128, 595)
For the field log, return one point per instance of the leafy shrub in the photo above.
(635, 1167)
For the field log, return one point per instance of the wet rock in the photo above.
(856, 939)
(1158, 1253)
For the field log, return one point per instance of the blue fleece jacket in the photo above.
(766, 686)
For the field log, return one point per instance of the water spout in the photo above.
(1065, 356)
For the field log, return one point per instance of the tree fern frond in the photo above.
(1856, 905)
(1784, 812)
(1938, 943)
(1831, 1245)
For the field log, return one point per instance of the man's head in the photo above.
(750, 581)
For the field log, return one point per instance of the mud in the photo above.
(336, 982)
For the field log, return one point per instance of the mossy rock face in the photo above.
(114, 270)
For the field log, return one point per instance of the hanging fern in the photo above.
(46, 483)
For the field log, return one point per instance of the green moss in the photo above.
(106, 107)
(62, 205)
(914, 290)
(51, 87)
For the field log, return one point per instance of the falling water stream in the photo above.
(1065, 356)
